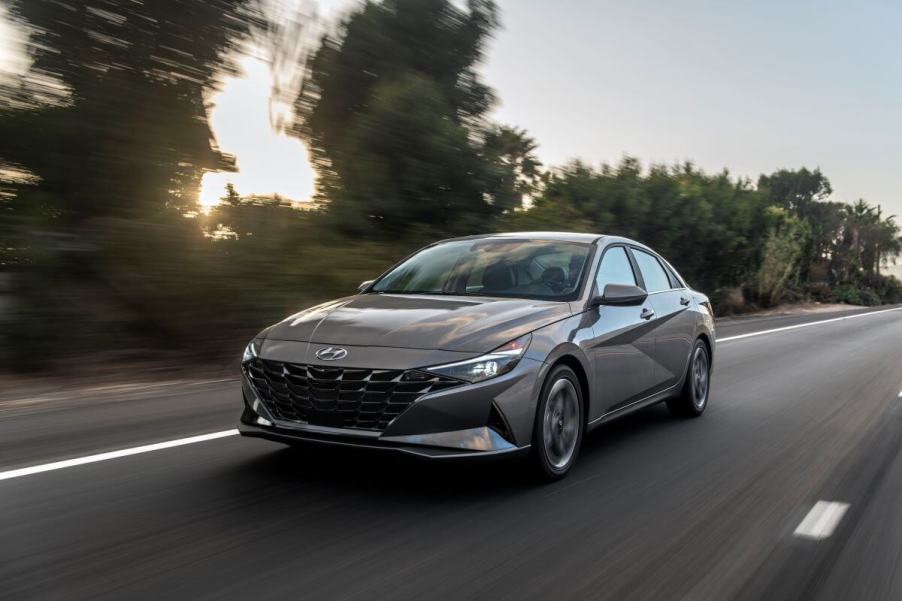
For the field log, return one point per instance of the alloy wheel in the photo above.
(561, 423)
(701, 378)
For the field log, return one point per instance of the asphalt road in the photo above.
(656, 508)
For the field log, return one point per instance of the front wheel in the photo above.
(693, 398)
(558, 430)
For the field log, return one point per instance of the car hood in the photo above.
(452, 323)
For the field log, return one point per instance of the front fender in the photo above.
(546, 346)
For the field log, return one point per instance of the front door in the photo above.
(623, 347)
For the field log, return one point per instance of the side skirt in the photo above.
(653, 399)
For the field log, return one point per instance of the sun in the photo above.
(269, 161)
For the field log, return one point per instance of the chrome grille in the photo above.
(365, 399)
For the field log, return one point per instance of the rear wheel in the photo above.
(693, 398)
(558, 430)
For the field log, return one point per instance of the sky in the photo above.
(268, 161)
(12, 47)
(751, 87)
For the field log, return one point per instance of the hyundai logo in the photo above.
(331, 353)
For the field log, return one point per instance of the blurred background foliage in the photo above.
(104, 140)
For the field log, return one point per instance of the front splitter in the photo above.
(423, 446)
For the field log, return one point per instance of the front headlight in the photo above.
(251, 351)
(500, 361)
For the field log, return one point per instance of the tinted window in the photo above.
(615, 268)
(654, 275)
(675, 281)
(537, 269)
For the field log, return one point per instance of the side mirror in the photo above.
(364, 285)
(620, 295)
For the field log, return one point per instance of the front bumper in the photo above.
(311, 434)
(447, 424)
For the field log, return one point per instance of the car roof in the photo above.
(579, 237)
(556, 236)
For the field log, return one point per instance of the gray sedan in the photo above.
(504, 344)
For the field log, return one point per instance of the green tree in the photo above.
(111, 122)
(393, 110)
(805, 193)
(711, 226)
(868, 240)
(795, 190)
(782, 251)
(128, 132)
(515, 170)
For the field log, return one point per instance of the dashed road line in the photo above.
(822, 520)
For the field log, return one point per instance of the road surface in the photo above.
(787, 488)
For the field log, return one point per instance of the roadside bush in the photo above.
(869, 298)
(779, 264)
(888, 288)
(870, 291)
(729, 301)
(846, 293)
(818, 292)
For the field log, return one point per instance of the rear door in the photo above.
(623, 346)
(674, 324)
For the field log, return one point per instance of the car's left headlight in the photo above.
(251, 351)
(500, 361)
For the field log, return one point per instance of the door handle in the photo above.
(647, 313)
(684, 301)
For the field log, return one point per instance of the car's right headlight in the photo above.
(500, 361)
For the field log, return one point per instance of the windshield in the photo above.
(535, 269)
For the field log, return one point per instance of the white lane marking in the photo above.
(58, 465)
(822, 520)
(807, 324)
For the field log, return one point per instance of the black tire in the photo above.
(559, 425)
(693, 398)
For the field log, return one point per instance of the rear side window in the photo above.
(675, 281)
(615, 268)
(654, 275)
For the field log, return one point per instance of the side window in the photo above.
(615, 268)
(675, 281)
(654, 275)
